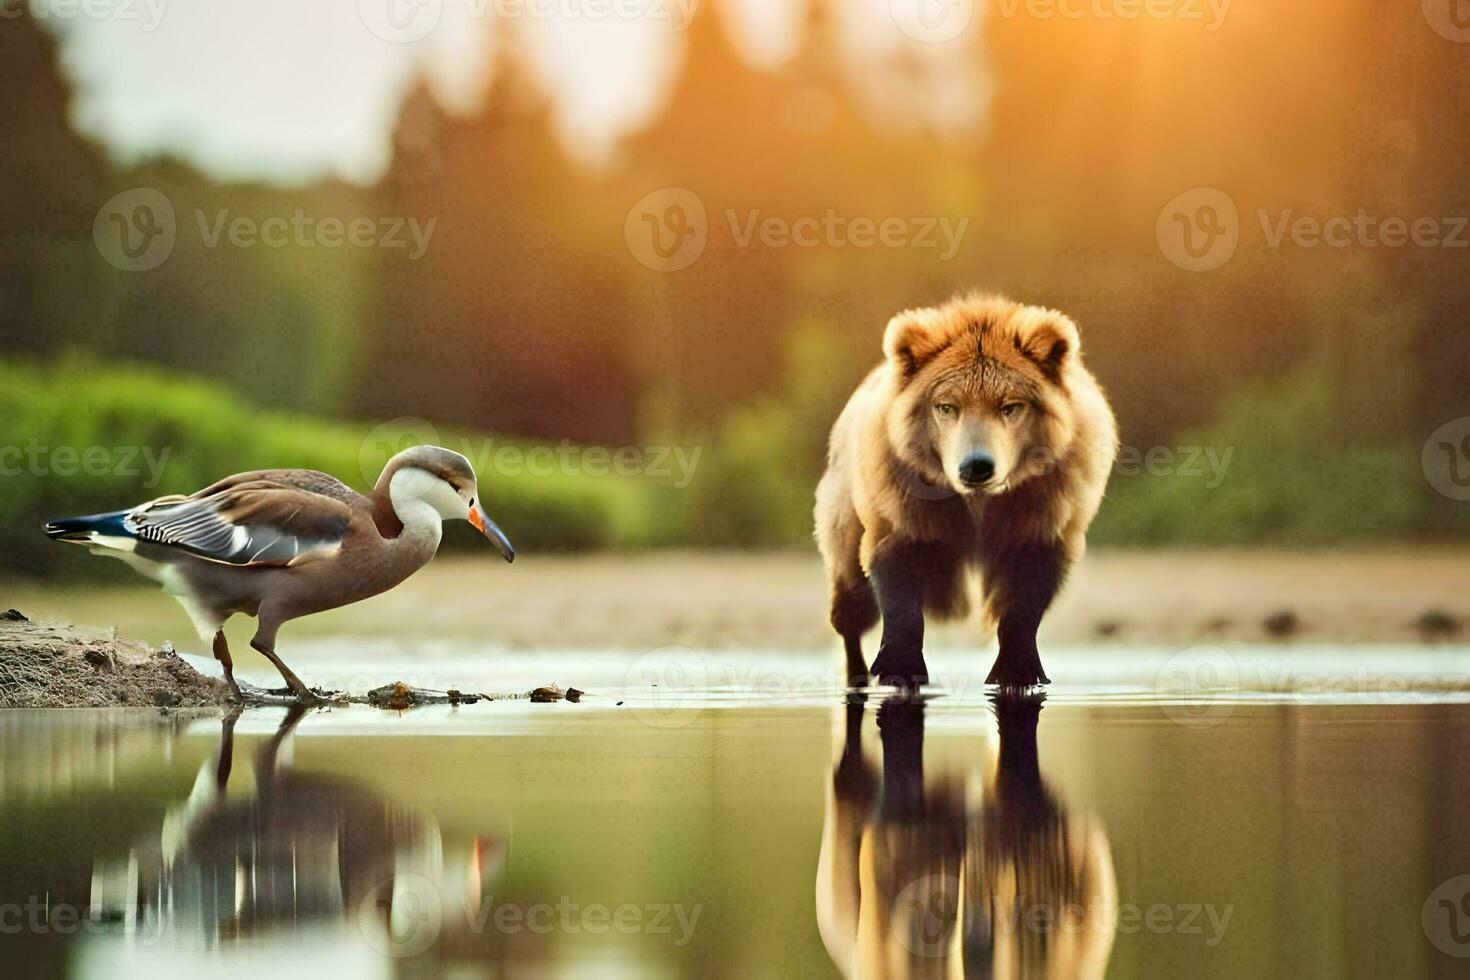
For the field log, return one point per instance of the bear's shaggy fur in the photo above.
(981, 443)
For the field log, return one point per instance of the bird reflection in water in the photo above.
(302, 849)
(959, 873)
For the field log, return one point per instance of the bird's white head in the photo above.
(426, 483)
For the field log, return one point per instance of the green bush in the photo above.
(756, 485)
(756, 488)
(1287, 481)
(153, 434)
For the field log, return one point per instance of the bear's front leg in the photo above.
(1019, 663)
(1021, 584)
(896, 574)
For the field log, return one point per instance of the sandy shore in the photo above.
(777, 601)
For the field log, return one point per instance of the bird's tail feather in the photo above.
(86, 530)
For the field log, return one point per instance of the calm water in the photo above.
(1213, 814)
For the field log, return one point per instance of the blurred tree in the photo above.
(1053, 143)
(512, 319)
(51, 182)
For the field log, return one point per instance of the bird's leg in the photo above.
(222, 654)
(265, 763)
(226, 747)
(302, 692)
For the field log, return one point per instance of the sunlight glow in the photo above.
(290, 93)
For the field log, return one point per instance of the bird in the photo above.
(286, 543)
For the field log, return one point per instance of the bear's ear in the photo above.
(910, 340)
(1048, 341)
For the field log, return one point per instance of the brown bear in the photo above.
(981, 443)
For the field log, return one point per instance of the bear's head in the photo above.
(979, 397)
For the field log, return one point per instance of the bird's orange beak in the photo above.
(491, 530)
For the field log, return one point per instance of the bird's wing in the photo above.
(252, 522)
(313, 481)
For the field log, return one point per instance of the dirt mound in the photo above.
(55, 665)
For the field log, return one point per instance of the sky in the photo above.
(290, 91)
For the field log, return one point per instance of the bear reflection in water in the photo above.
(301, 848)
(962, 874)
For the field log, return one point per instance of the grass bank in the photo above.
(76, 439)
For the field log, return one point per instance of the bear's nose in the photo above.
(977, 469)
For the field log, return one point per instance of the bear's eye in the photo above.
(945, 410)
(1012, 410)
